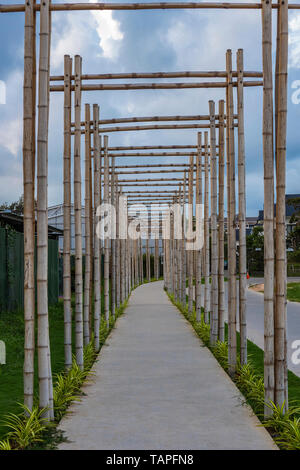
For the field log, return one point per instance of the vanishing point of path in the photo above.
(156, 387)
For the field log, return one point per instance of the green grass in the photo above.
(293, 291)
(11, 374)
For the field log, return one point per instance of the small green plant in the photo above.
(220, 351)
(5, 445)
(289, 438)
(25, 428)
(280, 416)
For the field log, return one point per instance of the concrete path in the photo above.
(255, 319)
(156, 387)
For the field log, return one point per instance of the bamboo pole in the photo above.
(268, 204)
(184, 74)
(156, 86)
(179, 244)
(190, 252)
(106, 240)
(242, 212)
(198, 283)
(97, 250)
(153, 127)
(67, 215)
(42, 215)
(87, 276)
(231, 224)
(118, 260)
(91, 232)
(28, 182)
(183, 243)
(77, 208)
(143, 6)
(221, 285)
(280, 314)
(214, 229)
(195, 117)
(152, 147)
(113, 245)
(206, 233)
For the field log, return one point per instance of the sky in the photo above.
(146, 41)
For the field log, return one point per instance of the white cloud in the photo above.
(294, 41)
(74, 33)
(109, 32)
(11, 135)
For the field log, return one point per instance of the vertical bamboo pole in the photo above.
(206, 231)
(67, 213)
(242, 210)
(167, 229)
(121, 247)
(141, 262)
(280, 238)
(156, 255)
(28, 182)
(106, 240)
(268, 204)
(91, 239)
(87, 274)
(118, 262)
(198, 284)
(148, 259)
(231, 223)
(77, 209)
(190, 221)
(178, 245)
(97, 252)
(175, 270)
(221, 284)
(214, 229)
(42, 211)
(183, 280)
(113, 244)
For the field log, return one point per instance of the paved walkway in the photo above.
(156, 387)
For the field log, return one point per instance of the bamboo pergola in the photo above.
(102, 184)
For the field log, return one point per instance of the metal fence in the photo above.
(12, 270)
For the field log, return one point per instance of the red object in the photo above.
(248, 277)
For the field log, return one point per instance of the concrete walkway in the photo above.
(156, 387)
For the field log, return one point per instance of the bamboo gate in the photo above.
(122, 257)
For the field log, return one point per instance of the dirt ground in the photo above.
(258, 287)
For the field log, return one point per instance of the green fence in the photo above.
(12, 270)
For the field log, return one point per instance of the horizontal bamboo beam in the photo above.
(152, 147)
(148, 192)
(105, 130)
(149, 184)
(152, 172)
(153, 154)
(133, 75)
(153, 86)
(199, 117)
(149, 180)
(18, 8)
(153, 165)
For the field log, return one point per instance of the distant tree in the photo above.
(255, 250)
(293, 239)
(17, 207)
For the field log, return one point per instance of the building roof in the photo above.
(16, 221)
